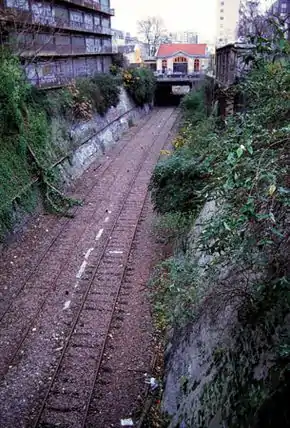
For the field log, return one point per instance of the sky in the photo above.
(178, 15)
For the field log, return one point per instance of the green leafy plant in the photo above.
(25, 145)
(140, 84)
(174, 292)
(244, 167)
(172, 227)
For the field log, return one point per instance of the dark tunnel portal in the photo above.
(165, 97)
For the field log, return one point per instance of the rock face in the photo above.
(224, 369)
(189, 354)
(89, 140)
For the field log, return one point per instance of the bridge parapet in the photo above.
(179, 78)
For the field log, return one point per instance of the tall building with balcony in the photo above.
(281, 9)
(227, 21)
(58, 40)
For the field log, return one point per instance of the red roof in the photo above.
(187, 48)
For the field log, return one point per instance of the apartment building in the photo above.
(227, 21)
(281, 8)
(58, 40)
(184, 37)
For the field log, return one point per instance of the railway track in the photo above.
(68, 393)
(51, 276)
(66, 221)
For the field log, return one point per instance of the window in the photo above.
(180, 59)
(222, 18)
(196, 64)
(222, 11)
(61, 14)
(283, 7)
(18, 4)
(47, 70)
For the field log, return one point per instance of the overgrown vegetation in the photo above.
(31, 140)
(82, 98)
(140, 84)
(243, 167)
(25, 147)
(101, 91)
(28, 150)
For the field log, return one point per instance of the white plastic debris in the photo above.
(127, 422)
(152, 382)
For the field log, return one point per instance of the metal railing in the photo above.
(179, 76)
(51, 49)
(90, 4)
(28, 19)
(81, 26)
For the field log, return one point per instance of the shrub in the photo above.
(140, 84)
(172, 227)
(109, 88)
(176, 183)
(119, 60)
(101, 91)
(174, 291)
(55, 103)
(14, 91)
(193, 105)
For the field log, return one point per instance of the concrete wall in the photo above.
(90, 140)
(75, 146)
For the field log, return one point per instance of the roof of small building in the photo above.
(189, 49)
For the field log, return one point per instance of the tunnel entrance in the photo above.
(170, 95)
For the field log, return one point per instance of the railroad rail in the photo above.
(104, 282)
(70, 391)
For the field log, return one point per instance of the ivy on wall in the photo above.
(27, 149)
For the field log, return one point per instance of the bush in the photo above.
(14, 91)
(176, 183)
(102, 91)
(172, 227)
(193, 105)
(55, 103)
(174, 291)
(140, 84)
(109, 87)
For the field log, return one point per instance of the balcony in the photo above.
(26, 18)
(50, 49)
(90, 4)
(80, 26)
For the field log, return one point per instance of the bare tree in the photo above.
(252, 21)
(151, 29)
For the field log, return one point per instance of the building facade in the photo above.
(133, 49)
(281, 8)
(184, 37)
(227, 21)
(58, 41)
(182, 58)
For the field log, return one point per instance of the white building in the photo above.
(184, 37)
(184, 58)
(227, 21)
